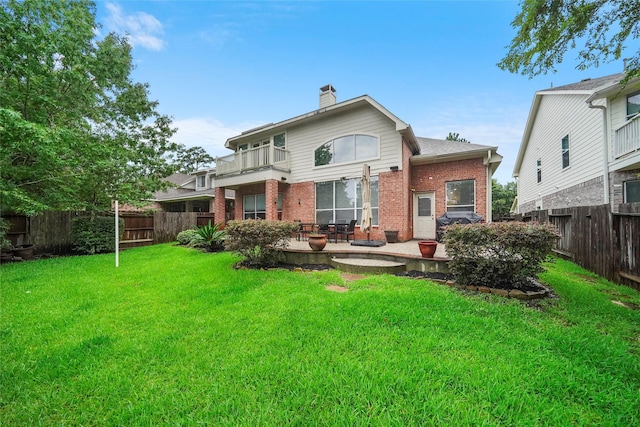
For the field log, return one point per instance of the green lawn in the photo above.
(175, 336)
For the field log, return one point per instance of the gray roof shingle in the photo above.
(590, 84)
(440, 147)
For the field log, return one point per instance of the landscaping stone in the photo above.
(484, 289)
(500, 292)
(517, 293)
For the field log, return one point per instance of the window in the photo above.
(632, 191)
(254, 206)
(347, 148)
(565, 152)
(461, 196)
(633, 105)
(201, 181)
(279, 141)
(539, 170)
(341, 201)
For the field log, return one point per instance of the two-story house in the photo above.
(308, 168)
(581, 146)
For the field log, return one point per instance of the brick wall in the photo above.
(433, 177)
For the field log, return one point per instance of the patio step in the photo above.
(363, 265)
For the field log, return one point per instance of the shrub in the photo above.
(5, 226)
(260, 242)
(499, 255)
(212, 236)
(94, 235)
(188, 237)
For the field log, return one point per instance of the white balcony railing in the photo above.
(253, 158)
(627, 138)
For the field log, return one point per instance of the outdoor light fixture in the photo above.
(283, 178)
(394, 168)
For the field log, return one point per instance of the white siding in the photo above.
(560, 115)
(618, 109)
(303, 140)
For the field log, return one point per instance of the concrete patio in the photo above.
(390, 258)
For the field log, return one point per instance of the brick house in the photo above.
(581, 146)
(308, 168)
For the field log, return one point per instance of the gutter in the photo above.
(605, 145)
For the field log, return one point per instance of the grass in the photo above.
(175, 336)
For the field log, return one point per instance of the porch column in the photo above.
(219, 205)
(271, 199)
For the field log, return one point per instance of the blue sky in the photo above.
(219, 68)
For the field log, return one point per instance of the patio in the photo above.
(390, 258)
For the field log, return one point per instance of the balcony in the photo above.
(253, 159)
(627, 139)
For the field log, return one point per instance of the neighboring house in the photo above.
(308, 168)
(581, 146)
(192, 193)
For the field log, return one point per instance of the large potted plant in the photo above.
(427, 248)
(317, 242)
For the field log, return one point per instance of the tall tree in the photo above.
(191, 159)
(75, 130)
(502, 198)
(547, 29)
(455, 137)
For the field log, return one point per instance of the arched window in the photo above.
(348, 148)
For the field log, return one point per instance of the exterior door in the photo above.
(424, 219)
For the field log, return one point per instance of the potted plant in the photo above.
(391, 236)
(317, 242)
(427, 248)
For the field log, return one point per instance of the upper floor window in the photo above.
(201, 181)
(539, 169)
(461, 196)
(279, 140)
(633, 104)
(347, 148)
(565, 152)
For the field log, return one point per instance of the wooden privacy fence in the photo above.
(604, 242)
(50, 232)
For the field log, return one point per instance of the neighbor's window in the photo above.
(632, 191)
(565, 152)
(201, 181)
(633, 105)
(539, 169)
(341, 201)
(279, 140)
(461, 196)
(345, 149)
(254, 206)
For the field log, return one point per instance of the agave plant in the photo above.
(213, 236)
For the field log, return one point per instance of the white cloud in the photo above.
(208, 133)
(141, 29)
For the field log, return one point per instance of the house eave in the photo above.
(422, 159)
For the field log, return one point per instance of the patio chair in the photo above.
(328, 231)
(349, 230)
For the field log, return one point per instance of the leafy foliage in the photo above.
(502, 198)
(547, 29)
(189, 237)
(5, 243)
(213, 236)
(75, 130)
(455, 137)
(500, 255)
(259, 241)
(192, 159)
(94, 234)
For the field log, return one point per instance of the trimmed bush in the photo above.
(260, 242)
(499, 255)
(94, 235)
(189, 237)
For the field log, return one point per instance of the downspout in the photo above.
(605, 145)
(489, 188)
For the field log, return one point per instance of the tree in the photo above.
(455, 137)
(546, 29)
(75, 130)
(502, 198)
(192, 159)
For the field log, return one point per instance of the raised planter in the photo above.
(25, 251)
(427, 248)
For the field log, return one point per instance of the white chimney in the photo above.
(327, 96)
